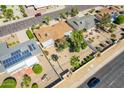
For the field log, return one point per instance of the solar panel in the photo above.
(33, 46)
(16, 57)
(31, 49)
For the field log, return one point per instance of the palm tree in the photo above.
(55, 58)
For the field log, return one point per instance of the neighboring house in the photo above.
(79, 23)
(47, 35)
(107, 10)
(18, 57)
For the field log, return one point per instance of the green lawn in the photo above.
(37, 69)
(30, 34)
(9, 83)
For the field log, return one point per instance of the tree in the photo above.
(47, 19)
(119, 19)
(55, 58)
(74, 11)
(63, 15)
(8, 14)
(67, 13)
(76, 40)
(75, 62)
(83, 45)
(9, 82)
(61, 44)
(37, 69)
(3, 8)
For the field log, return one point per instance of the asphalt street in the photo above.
(111, 75)
(26, 23)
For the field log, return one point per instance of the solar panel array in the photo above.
(31, 47)
(16, 57)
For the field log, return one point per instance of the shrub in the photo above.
(83, 45)
(26, 80)
(34, 85)
(9, 83)
(37, 69)
(119, 19)
(88, 58)
(30, 34)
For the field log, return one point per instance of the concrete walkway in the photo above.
(90, 68)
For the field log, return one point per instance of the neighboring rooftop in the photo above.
(16, 57)
(106, 10)
(79, 23)
(54, 32)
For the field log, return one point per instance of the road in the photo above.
(28, 22)
(111, 75)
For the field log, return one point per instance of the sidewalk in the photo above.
(88, 70)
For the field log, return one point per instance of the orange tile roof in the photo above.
(52, 32)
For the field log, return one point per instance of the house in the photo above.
(18, 57)
(47, 35)
(107, 10)
(79, 23)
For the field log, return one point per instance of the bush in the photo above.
(9, 83)
(26, 80)
(23, 11)
(34, 85)
(119, 19)
(46, 52)
(37, 69)
(83, 45)
(30, 34)
(88, 58)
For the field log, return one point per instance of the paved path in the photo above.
(90, 68)
(28, 22)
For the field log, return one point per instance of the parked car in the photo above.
(93, 82)
(38, 14)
